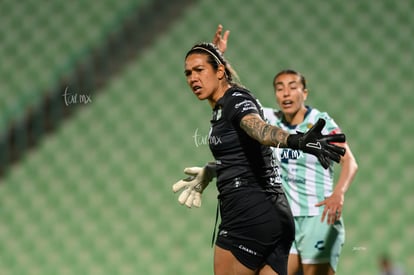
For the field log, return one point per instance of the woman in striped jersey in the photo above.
(310, 188)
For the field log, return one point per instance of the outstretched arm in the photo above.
(265, 133)
(311, 142)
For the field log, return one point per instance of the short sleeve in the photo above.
(240, 104)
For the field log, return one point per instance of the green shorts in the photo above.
(317, 242)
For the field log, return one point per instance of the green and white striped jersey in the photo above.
(304, 179)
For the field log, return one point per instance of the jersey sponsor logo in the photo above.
(246, 105)
(291, 154)
(276, 180)
(293, 180)
(236, 94)
(248, 250)
(244, 102)
(248, 108)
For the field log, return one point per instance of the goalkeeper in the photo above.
(257, 227)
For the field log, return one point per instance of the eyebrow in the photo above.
(193, 68)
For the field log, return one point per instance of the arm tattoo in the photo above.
(265, 133)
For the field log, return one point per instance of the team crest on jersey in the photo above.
(217, 114)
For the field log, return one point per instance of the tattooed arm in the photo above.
(265, 133)
(312, 142)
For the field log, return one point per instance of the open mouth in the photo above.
(196, 89)
(287, 103)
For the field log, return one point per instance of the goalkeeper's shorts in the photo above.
(256, 225)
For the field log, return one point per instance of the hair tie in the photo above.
(210, 52)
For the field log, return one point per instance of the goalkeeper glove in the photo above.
(313, 142)
(199, 178)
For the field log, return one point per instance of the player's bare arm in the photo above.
(265, 133)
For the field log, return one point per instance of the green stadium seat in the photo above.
(95, 196)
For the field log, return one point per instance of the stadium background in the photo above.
(86, 180)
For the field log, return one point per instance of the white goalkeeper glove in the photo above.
(199, 178)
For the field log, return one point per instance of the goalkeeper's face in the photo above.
(290, 94)
(202, 78)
